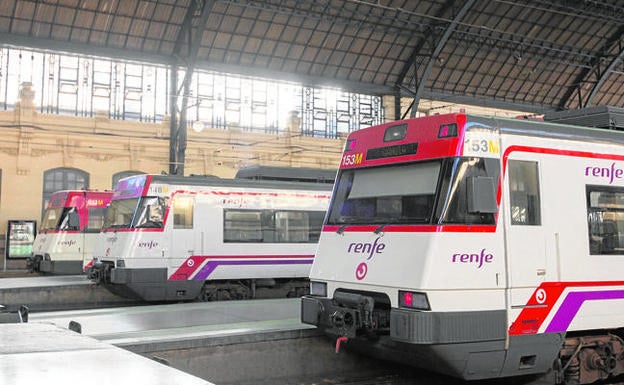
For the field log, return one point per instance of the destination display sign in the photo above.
(392, 151)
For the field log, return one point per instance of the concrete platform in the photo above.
(41, 293)
(184, 325)
(44, 353)
(43, 281)
(253, 342)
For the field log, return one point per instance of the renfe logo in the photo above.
(66, 243)
(148, 244)
(610, 173)
(367, 248)
(478, 259)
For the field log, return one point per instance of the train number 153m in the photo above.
(352, 159)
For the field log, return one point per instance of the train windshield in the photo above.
(58, 219)
(150, 212)
(453, 191)
(51, 218)
(135, 213)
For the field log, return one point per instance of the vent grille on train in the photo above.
(599, 117)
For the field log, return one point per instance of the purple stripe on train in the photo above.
(209, 267)
(573, 302)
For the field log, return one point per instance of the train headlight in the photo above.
(447, 130)
(394, 133)
(318, 288)
(413, 300)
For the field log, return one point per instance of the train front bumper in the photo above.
(145, 284)
(405, 325)
(347, 315)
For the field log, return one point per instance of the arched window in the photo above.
(124, 174)
(62, 178)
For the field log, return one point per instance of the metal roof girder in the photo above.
(178, 126)
(603, 77)
(437, 49)
(575, 87)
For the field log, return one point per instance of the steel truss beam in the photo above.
(191, 37)
(584, 75)
(434, 54)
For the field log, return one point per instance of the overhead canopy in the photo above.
(532, 56)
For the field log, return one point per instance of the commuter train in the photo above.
(477, 247)
(69, 228)
(170, 238)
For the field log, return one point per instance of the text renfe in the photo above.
(477, 258)
(610, 173)
(367, 248)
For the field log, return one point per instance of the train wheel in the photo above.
(223, 295)
(592, 358)
(207, 294)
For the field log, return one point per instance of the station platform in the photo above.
(38, 281)
(43, 293)
(34, 353)
(184, 325)
(249, 342)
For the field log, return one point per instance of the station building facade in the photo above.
(43, 153)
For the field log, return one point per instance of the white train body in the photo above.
(477, 247)
(68, 232)
(178, 238)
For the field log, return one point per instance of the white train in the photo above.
(69, 228)
(181, 238)
(477, 247)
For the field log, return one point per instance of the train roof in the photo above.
(82, 191)
(294, 174)
(552, 129)
(444, 135)
(609, 117)
(197, 180)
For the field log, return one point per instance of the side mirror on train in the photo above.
(481, 195)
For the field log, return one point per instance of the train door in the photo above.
(525, 239)
(182, 243)
(204, 225)
(72, 234)
(90, 232)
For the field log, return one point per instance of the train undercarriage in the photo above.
(590, 358)
(366, 323)
(153, 285)
(253, 289)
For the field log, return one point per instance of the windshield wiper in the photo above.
(341, 229)
(150, 224)
(380, 228)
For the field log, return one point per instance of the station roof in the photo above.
(532, 56)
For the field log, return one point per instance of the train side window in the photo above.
(67, 223)
(96, 219)
(291, 227)
(605, 219)
(183, 212)
(316, 224)
(242, 226)
(270, 226)
(524, 193)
